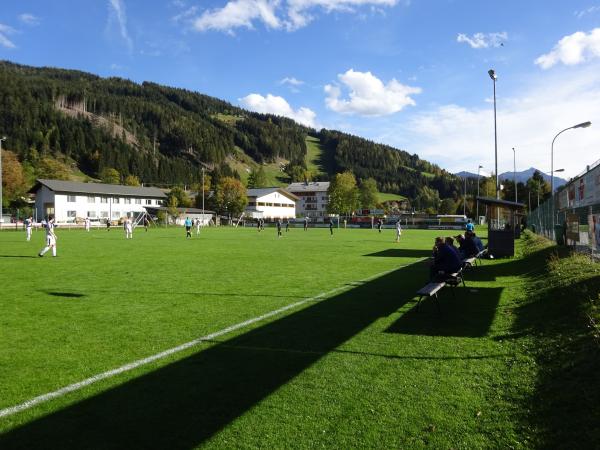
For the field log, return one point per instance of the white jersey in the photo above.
(28, 223)
(50, 236)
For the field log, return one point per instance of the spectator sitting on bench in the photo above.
(478, 244)
(450, 243)
(467, 245)
(446, 261)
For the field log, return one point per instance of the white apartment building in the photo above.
(313, 198)
(272, 203)
(69, 201)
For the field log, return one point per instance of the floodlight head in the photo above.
(480, 167)
(583, 125)
(3, 138)
(492, 74)
(559, 170)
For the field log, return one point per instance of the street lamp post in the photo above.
(515, 172)
(3, 138)
(494, 77)
(579, 125)
(465, 200)
(478, 175)
(202, 195)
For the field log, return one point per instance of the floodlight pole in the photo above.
(515, 172)
(477, 200)
(202, 195)
(465, 200)
(579, 125)
(494, 77)
(3, 138)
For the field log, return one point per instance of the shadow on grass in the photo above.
(402, 253)
(64, 294)
(565, 407)
(18, 256)
(183, 404)
(465, 314)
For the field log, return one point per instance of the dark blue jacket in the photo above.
(447, 259)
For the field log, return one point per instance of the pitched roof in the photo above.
(259, 192)
(313, 186)
(99, 188)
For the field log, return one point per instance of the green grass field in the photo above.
(351, 365)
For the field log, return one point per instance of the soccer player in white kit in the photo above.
(128, 228)
(28, 227)
(87, 224)
(197, 227)
(398, 231)
(50, 238)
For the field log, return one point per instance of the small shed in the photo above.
(504, 225)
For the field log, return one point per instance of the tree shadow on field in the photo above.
(464, 314)
(183, 404)
(402, 253)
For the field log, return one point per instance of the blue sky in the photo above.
(409, 73)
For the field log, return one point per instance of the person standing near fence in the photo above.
(50, 238)
(306, 223)
(87, 224)
(278, 228)
(28, 227)
(398, 230)
(198, 226)
(127, 225)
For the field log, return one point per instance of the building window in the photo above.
(91, 199)
(116, 215)
(103, 199)
(277, 204)
(138, 201)
(251, 203)
(71, 198)
(157, 202)
(148, 202)
(128, 201)
(104, 214)
(116, 200)
(71, 214)
(261, 204)
(91, 214)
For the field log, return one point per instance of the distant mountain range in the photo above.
(522, 176)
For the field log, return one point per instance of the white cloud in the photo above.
(484, 40)
(299, 15)
(584, 12)
(573, 49)
(459, 138)
(117, 12)
(275, 14)
(239, 13)
(29, 19)
(369, 96)
(291, 81)
(5, 31)
(272, 104)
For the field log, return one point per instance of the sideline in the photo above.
(209, 337)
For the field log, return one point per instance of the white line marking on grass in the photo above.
(142, 362)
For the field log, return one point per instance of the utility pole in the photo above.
(3, 138)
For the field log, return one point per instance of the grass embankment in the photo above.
(558, 323)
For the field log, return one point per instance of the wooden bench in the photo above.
(468, 263)
(431, 290)
(479, 256)
(454, 279)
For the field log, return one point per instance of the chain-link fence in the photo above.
(572, 215)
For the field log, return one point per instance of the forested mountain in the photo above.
(164, 135)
